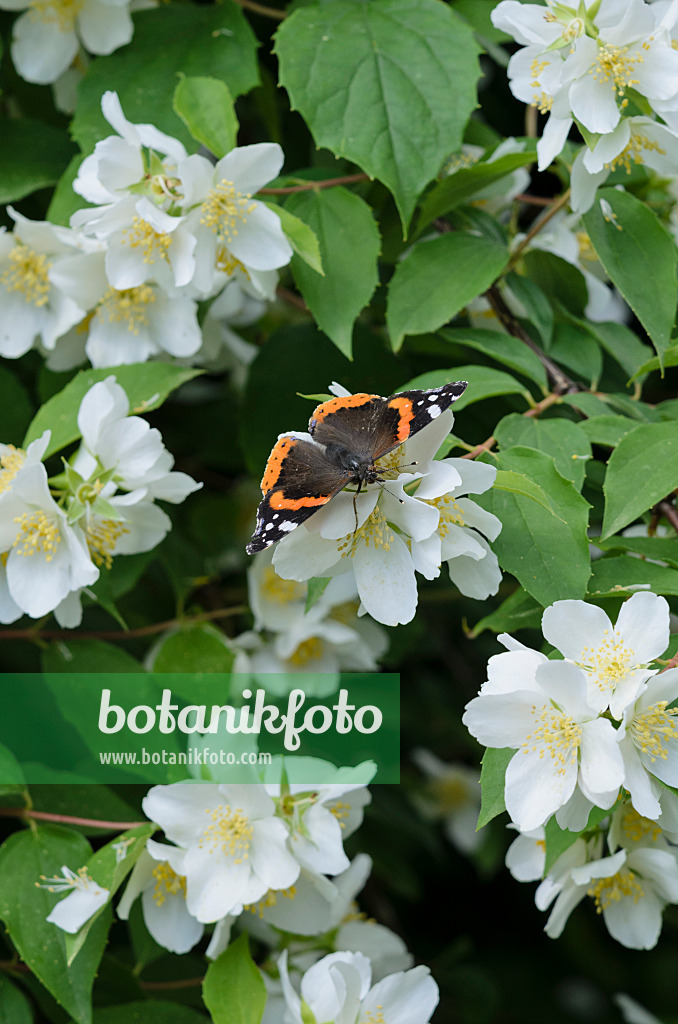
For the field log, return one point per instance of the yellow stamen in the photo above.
(10, 464)
(168, 882)
(308, 650)
(37, 535)
(276, 589)
(102, 538)
(375, 530)
(153, 244)
(225, 208)
(611, 890)
(230, 833)
(62, 13)
(28, 272)
(555, 734)
(128, 307)
(653, 729)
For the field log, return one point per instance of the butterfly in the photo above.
(349, 435)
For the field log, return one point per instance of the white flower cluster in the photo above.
(604, 65)
(121, 285)
(591, 731)
(411, 524)
(286, 639)
(50, 550)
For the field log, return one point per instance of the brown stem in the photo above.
(536, 410)
(69, 819)
(294, 300)
(671, 663)
(120, 634)
(523, 197)
(538, 226)
(347, 179)
(562, 384)
(668, 510)
(267, 12)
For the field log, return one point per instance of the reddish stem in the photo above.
(69, 819)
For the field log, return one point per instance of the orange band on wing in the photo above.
(275, 461)
(348, 402)
(278, 500)
(404, 407)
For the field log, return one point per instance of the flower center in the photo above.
(308, 650)
(555, 734)
(340, 811)
(37, 535)
(451, 513)
(282, 591)
(270, 900)
(228, 264)
(167, 881)
(375, 530)
(612, 889)
(375, 1016)
(636, 828)
(71, 880)
(11, 462)
(633, 152)
(449, 794)
(225, 208)
(128, 307)
(615, 64)
(28, 273)
(60, 12)
(102, 538)
(229, 832)
(610, 662)
(153, 244)
(541, 100)
(654, 728)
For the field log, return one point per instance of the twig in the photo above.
(120, 634)
(536, 410)
(562, 384)
(523, 197)
(267, 12)
(668, 510)
(69, 819)
(294, 300)
(538, 226)
(307, 186)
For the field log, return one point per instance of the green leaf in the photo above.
(33, 155)
(205, 105)
(465, 183)
(233, 989)
(148, 1012)
(548, 553)
(559, 280)
(483, 382)
(211, 41)
(316, 588)
(301, 237)
(616, 575)
(15, 415)
(537, 307)
(65, 201)
(14, 1006)
(564, 440)
(518, 483)
(492, 779)
(503, 348)
(349, 246)
(200, 648)
(607, 430)
(518, 611)
(670, 358)
(88, 656)
(642, 470)
(659, 549)
(436, 280)
(374, 82)
(574, 347)
(24, 857)
(624, 346)
(147, 386)
(11, 772)
(636, 239)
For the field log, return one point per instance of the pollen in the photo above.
(167, 882)
(614, 888)
(616, 65)
(308, 650)
(340, 811)
(586, 251)
(610, 663)
(230, 833)
(38, 535)
(281, 591)
(228, 264)
(225, 209)
(636, 828)
(375, 531)
(270, 900)
(653, 729)
(10, 463)
(634, 152)
(61, 13)
(28, 273)
(375, 1016)
(152, 244)
(555, 734)
(451, 514)
(102, 538)
(128, 307)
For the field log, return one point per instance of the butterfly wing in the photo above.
(297, 481)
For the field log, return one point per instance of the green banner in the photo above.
(161, 728)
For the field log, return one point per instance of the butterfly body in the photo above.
(349, 434)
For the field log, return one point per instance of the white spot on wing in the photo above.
(287, 525)
(433, 411)
(432, 398)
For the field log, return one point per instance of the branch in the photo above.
(538, 226)
(668, 510)
(120, 634)
(69, 819)
(562, 384)
(266, 12)
(307, 186)
(294, 300)
(535, 411)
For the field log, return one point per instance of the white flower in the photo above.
(633, 1012)
(615, 658)
(230, 847)
(526, 856)
(163, 901)
(649, 746)
(46, 38)
(337, 989)
(85, 898)
(452, 794)
(32, 305)
(562, 744)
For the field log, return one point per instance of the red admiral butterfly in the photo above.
(354, 431)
